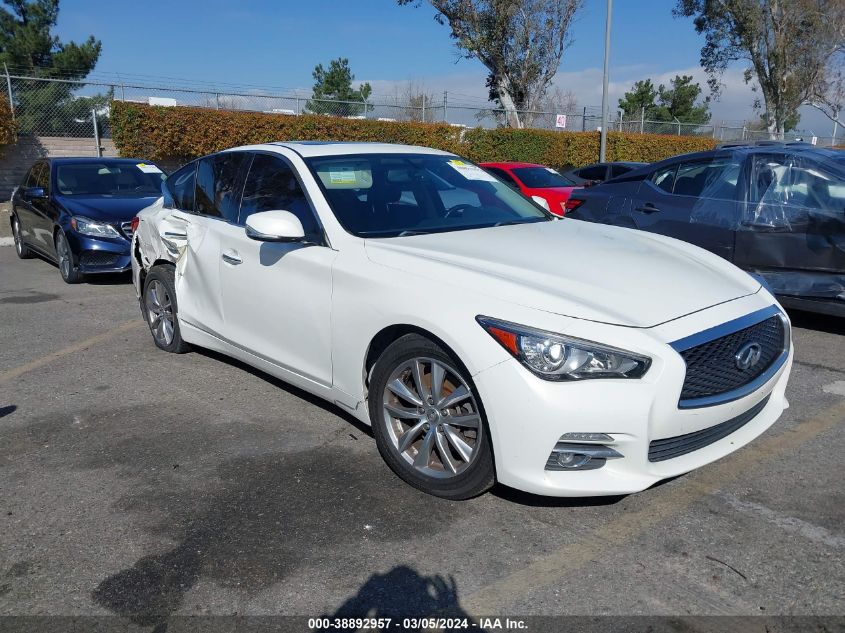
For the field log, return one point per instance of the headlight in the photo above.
(557, 357)
(93, 228)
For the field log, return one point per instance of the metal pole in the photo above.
(423, 108)
(96, 132)
(603, 141)
(642, 120)
(584, 120)
(9, 87)
(446, 102)
(217, 100)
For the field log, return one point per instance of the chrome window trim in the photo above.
(729, 327)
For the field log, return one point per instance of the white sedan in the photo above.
(483, 339)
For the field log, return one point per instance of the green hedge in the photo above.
(182, 133)
(7, 124)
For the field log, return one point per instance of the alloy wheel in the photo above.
(432, 417)
(16, 233)
(159, 312)
(63, 251)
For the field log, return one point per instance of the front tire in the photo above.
(67, 268)
(21, 249)
(428, 420)
(160, 310)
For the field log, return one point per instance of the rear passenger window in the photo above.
(219, 184)
(180, 187)
(272, 186)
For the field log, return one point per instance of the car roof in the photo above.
(747, 150)
(308, 149)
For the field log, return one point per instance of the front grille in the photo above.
(98, 259)
(660, 450)
(126, 229)
(712, 367)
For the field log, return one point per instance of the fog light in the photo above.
(572, 460)
(573, 456)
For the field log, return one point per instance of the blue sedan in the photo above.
(77, 212)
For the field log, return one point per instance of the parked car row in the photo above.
(450, 306)
(483, 338)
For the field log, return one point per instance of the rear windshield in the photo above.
(390, 195)
(542, 177)
(132, 180)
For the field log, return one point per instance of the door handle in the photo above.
(176, 234)
(231, 257)
(647, 208)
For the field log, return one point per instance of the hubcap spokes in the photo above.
(64, 257)
(159, 312)
(432, 417)
(16, 232)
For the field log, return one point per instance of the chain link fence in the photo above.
(68, 108)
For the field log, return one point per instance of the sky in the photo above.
(275, 44)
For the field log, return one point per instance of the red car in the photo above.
(535, 181)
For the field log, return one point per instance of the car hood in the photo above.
(588, 271)
(117, 209)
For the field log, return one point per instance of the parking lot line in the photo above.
(15, 372)
(571, 557)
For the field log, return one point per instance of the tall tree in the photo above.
(642, 96)
(335, 85)
(28, 47)
(791, 47)
(520, 42)
(679, 102)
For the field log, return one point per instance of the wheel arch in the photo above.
(391, 333)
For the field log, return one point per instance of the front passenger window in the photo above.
(272, 186)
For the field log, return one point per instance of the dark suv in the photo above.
(777, 210)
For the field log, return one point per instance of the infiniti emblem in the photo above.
(748, 355)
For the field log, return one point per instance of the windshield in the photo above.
(541, 177)
(389, 195)
(135, 180)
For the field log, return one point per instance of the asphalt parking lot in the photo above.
(145, 485)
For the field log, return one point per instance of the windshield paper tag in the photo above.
(148, 169)
(342, 177)
(470, 172)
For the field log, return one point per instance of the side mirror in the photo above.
(33, 193)
(274, 226)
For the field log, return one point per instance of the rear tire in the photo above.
(428, 421)
(21, 249)
(158, 304)
(67, 268)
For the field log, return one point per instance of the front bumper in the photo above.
(94, 255)
(527, 416)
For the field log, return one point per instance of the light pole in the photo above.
(603, 144)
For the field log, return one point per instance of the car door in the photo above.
(217, 182)
(277, 295)
(37, 216)
(21, 205)
(694, 201)
(793, 222)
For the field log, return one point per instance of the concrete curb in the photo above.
(7, 241)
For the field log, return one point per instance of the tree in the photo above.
(791, 47)
(28, 47)
(641, 96)
(520, 42)
(335, 85)
(678, 102)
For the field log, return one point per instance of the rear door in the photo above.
(42, 213)
(694, 201)
(793, 222)
(218, 183)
